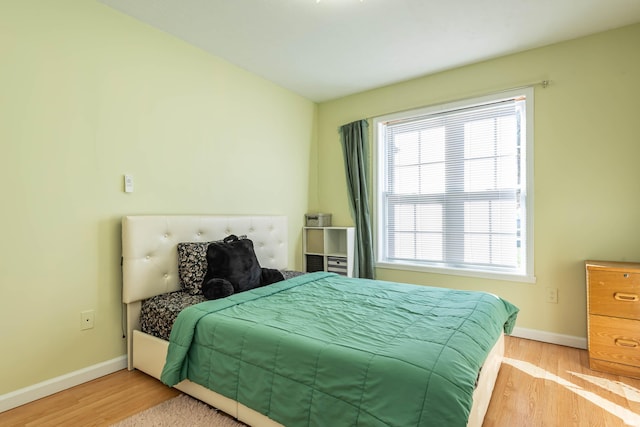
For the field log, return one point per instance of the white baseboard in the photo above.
(63, 382)
(550, 337)
(54, 385)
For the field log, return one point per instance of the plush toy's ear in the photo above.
(217, 288)
(269, 276)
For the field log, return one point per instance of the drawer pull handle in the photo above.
(620, 296)
(626, 343)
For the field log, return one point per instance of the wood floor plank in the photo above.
(539, 384)
(571, 401)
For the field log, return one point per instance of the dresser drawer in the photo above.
(614, 293)
(614, 340)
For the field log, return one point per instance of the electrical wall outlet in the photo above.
(552, 295)
(86, 319)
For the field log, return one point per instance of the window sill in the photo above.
(458, 272)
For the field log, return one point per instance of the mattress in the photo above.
(159, 313)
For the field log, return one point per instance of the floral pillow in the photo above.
(192, 266)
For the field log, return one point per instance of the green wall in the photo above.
(587, 150)
(86, 95)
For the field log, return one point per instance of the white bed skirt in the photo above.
(151, 352)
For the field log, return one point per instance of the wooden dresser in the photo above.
(613, 317)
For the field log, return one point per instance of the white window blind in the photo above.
(452, 187)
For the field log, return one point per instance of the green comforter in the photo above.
(326, 350)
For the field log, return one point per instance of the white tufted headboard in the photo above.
(150, 258)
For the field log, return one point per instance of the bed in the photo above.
(150, 269)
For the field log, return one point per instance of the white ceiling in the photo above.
(332, 48)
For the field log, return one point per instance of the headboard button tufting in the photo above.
(150, 258)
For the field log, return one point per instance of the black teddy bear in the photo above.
(232, 267)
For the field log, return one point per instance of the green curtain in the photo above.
(355, 147)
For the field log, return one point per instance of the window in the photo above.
(454, 186)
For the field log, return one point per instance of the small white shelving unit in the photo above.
(328, 249)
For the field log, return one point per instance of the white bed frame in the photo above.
(150, 267)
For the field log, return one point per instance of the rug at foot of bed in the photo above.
(181, 411)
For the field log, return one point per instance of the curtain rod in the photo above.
(544, 83)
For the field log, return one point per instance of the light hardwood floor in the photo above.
(550, 385)
(539, 385)
(100, 402)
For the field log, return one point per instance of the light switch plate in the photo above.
(128, 183)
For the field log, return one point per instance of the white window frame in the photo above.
(378, 164)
